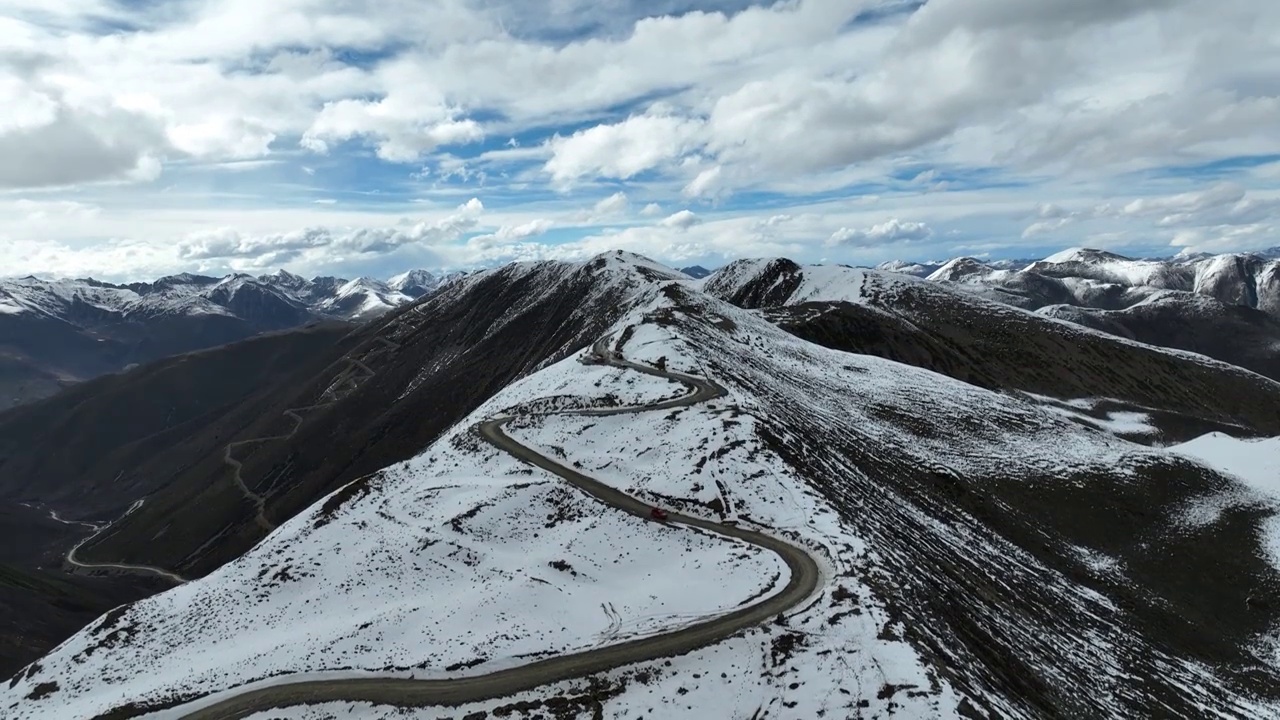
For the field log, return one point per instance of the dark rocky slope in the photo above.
(431, 365)
(84, 451)
(1224, 306)
(91, 451)
(1001, 348)
(1233, 333)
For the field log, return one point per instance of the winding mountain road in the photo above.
(125, 567)
(804, 579)
(347, 378)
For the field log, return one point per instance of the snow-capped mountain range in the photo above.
(55, 332)
(1077, 276)
(279, 299)
(1225, 306)
(64, 331)
(1007, 514)
(1102, 280)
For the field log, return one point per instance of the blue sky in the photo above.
(143, 138)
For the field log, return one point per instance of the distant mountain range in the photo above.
(926, 268)
(1224, 306)
(57, 332)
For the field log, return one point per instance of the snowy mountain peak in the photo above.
(411, 277)
(1084, 255)
(285, 279)
(235, 281)
(748, 268)
(622, 260)
(414, 283)
(909, 268)
(327, 283)
(185, 278)
(362, 283)
(364, 298)
(959, 269)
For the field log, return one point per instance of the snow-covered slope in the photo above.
(1255, 461)
(765, 282)
(1201, 303)
(461, 560)
(414, 283)
(985, 556)
(1103, 280)
(363, 298)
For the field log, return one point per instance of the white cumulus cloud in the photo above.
(890, 231)
(620, 150)
(225, 242)
(683, 220)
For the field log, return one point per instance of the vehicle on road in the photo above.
(658, 513)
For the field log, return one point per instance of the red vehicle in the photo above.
(658, 513)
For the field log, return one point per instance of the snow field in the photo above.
(1116, 422)
(734, 679)
(907, 417)
(1256, 464)
(842, 659)
(838, 655)
(460, 560)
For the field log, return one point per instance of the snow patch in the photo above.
(1255, 462)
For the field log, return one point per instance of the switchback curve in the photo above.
(346, 377)
(125, 567)
(805, 577)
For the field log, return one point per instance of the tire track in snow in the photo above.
(805, 578)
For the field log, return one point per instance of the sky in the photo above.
(366, 137)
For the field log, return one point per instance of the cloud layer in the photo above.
(683, 129)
